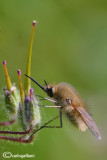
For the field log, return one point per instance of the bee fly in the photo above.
(65, 95)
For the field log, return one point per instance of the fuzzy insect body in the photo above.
(67, 97)
(72, 105)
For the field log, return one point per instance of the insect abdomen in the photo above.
(76, 120)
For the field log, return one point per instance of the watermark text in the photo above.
(10, 155)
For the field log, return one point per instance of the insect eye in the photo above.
(50, 92)
(68, 101)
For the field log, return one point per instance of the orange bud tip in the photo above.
(34, 22)
(19, 72)
(4, 62)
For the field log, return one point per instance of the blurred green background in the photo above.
(70, 44)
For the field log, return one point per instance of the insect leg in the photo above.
(8, 122)
(17, 133)
(60, 116)
(43, 126)
(20, 140)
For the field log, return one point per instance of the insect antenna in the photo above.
(35, 82)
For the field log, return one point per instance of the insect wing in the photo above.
(89, 122)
